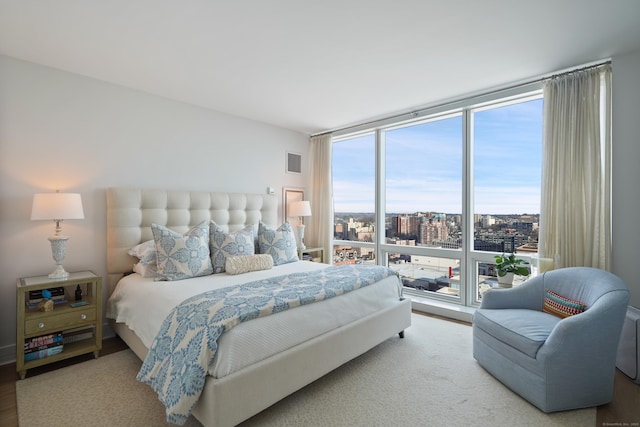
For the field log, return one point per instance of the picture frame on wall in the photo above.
(290, 195)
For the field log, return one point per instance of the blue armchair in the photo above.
(554, 363)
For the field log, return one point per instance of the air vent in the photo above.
(294, 163)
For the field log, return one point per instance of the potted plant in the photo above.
(507, 266)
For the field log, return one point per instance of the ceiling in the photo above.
(313, 66)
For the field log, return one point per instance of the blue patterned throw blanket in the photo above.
(183, 350)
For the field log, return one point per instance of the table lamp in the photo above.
(57, 207)
(300, 209)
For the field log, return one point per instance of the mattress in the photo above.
(143, 303)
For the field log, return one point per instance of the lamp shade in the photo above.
(56, 206)
(302, 208)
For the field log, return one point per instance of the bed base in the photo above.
(232, 399)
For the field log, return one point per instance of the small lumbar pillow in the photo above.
(182, 256)
(561, 306)
(247, 263)
(223, 245)
(280, 243)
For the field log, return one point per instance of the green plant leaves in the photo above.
(510, 264)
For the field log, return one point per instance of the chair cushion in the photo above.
(524, 330)
(560, 306)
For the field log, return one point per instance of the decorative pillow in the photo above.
(146, 253)
(280, 243)
(247, 263)
(222, 245)
(182, 256)
(560, 306)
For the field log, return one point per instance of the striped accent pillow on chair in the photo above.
(561, 306)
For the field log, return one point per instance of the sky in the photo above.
(424, 164)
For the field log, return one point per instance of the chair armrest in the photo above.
(592, 334)
(527, 296)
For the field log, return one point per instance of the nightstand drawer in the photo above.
(60, 321)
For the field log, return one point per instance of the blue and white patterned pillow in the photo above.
(280, 243)
(223, 244)
(182, 256)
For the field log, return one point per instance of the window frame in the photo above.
(467, 256)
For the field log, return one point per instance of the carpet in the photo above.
(429, 378)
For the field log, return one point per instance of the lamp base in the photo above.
(58, 251)
(59, 273)
(301, 246)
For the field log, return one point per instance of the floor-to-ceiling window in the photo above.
(507, 166)
(435, 196)
(423, 186)
(354, 189)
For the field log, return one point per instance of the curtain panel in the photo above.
(320, 226)
(575, 220)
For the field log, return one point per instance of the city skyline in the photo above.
(424, 165)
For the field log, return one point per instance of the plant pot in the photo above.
(505, 281)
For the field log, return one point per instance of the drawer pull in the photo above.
(83, 316)
(41, 325)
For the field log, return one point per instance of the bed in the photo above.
(243, 381)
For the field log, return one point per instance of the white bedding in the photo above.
(142, 304)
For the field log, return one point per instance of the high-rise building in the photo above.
(433, 229)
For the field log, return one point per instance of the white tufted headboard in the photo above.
(130, 213)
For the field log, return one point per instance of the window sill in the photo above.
(439, 308)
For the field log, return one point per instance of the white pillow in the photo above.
(150, 270)
(247, 263)
(280, 243)
(146, 254)
(182, 256)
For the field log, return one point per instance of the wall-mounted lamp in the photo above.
(300, 209)
(57, 207)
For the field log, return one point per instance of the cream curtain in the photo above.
(320, 224)
(575, 220)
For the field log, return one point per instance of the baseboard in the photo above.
(7, 354)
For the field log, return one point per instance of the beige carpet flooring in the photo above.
(427, 379)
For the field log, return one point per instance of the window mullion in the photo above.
(380, 197)
(466, 273)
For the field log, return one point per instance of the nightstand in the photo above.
(81, 326)
(311, 254)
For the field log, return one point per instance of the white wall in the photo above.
(626, 171)
(63, 131)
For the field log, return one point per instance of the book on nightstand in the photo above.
(36, 296)
(41, 354)
(57, 296)
(43, 346)
(43, 341)
(78, 334)
(56, 301)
